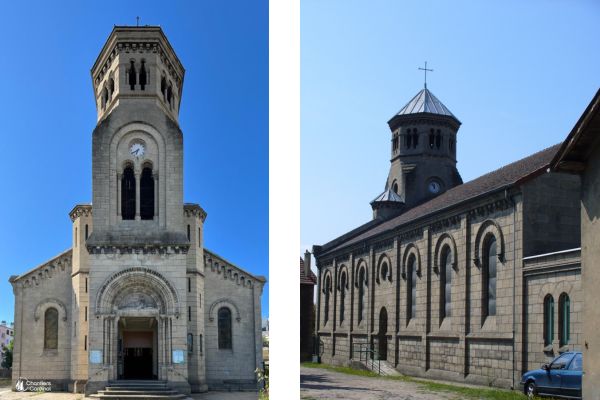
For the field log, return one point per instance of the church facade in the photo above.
(472, 282)
(137, 296)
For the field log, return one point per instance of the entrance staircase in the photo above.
(138, 390)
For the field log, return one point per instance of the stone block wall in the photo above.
(228, 286)
(551, 274)
(49, 285)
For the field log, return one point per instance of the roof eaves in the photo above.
(577, 131)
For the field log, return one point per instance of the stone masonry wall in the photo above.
(228, 286)
(47, 286)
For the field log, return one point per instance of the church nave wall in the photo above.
(43, 326)
(233, 361)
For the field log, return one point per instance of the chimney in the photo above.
(307, 263)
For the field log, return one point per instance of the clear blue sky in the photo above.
(517, 74)
(47, 115)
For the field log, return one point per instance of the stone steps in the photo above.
(138, 390)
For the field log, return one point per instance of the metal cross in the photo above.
(138, 24)
(425, 69)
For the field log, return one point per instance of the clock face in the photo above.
(434, 187)
(137, 150)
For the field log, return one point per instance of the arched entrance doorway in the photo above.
(382, 335)
(137, 307)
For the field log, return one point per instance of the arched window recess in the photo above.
(147, 192)
(128, 193)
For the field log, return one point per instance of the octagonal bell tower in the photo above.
(139, 276)
(423, 153)
(137, 144)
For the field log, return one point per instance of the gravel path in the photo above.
(317, 383)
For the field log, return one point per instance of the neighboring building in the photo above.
(138, 295)
(308, 280)
(580, 154)
(6, 335)
(452, 280)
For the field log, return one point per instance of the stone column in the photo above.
(119, 178)
(138, 176)
(155, 176)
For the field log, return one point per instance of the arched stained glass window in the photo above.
(51, 329)
(489, 277)
(564, 318)
(548, 320)
(225, 336)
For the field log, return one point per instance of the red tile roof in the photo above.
(306, 280)
(507, 176)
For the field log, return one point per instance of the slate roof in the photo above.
(425, 102)
(502, 178)
(306, 280)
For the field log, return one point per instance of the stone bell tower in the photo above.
(142, 276)
(423, 155)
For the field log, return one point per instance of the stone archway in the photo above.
(136, 307)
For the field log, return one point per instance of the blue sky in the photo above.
(47, 115)
(517, 75)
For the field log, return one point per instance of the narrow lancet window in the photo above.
(548, 320)
(132, 75)
(489, 278)
(225, 328)
(564, 319)
(411, 293)
(143, 76)
(147, 194)
(342, 296)
(51, 329)
(128, 193)
(163, 87)
(446, 284)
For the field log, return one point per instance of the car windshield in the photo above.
(577, 363)
(563, 360)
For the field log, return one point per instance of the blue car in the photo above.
(560, 378)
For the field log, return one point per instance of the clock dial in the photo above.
(137, 150)
(434, 187)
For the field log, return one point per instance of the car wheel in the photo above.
(530, 390)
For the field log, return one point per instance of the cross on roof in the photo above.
(425, 69)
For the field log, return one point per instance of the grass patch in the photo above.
(461, 391)
(5, 381)
(343, 370)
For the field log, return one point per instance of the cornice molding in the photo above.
(140, 47)
(194, 210)
(139, 249)
(80, 210)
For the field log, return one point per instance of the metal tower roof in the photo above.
(425, 102)
(388, 195)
